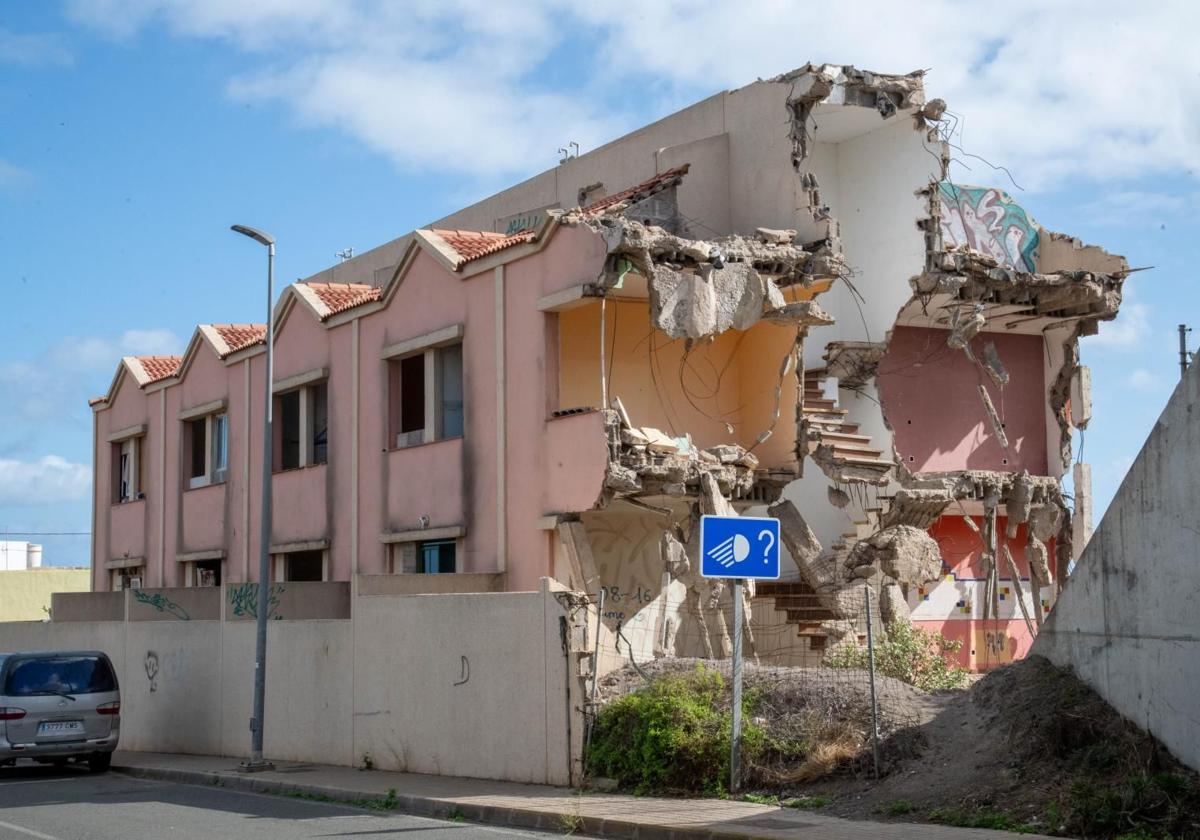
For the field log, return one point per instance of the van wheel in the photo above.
(99, 762)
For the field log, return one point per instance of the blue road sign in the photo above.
(739, 547)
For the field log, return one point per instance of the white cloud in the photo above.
(470, 86)
(91, 353)
(48, 480)
(32, 48)
(13, 176)
(1127, 331)
(1145, 380)
(1136, 208)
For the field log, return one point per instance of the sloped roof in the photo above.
(647, 188)
(240, 336)
(468, 245)
(158, 367)
(338, 297)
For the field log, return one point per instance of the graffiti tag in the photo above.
(161, 603)
(151, 666)
(466, 672)
(243, 599)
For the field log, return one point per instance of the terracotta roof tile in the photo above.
(241, 336)
(338, 297)
(658, 183)
(158, 367)
(475, 244)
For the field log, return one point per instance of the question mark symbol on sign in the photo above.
(770, 543)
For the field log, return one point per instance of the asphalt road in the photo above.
(70, 804)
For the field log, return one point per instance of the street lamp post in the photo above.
(256, 761)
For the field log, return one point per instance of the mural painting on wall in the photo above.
(243, 599)
(987, 220)
(161, 603)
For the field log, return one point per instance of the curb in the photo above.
(445, 809)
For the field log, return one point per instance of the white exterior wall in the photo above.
(1127, 620)
(388, 683)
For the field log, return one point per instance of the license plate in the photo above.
(60, 727)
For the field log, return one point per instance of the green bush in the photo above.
(907, 653)
(673, 735)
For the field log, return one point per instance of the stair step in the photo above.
(852, 448)
(864, 462)
(838, 411)
(819, 402)
(797, 602)
(772, 589)
(847, 437)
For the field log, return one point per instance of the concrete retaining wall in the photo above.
(455, 684)
(1128, 619)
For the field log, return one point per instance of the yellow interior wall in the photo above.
(729, 380)
(24, 592)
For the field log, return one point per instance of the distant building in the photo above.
(26, 585)
(16, 555)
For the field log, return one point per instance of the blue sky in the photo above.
(134, 132)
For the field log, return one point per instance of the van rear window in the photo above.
(59, 675)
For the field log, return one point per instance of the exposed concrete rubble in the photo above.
(845, 85)
(647, 462)
(700, 288)
(904, 553)
(853, 363)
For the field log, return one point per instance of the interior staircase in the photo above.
(834, 442)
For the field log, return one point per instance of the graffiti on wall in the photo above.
(987, 220)
(243, 599)
(160, 602)
(150, 663)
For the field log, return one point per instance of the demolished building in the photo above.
(704, 316)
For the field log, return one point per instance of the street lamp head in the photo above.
(259, 236)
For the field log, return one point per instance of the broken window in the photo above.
(426, 396)
(127, 470)
(128, 578)
(207, 444)
(301, 428)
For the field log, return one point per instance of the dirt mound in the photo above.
(1030, 746)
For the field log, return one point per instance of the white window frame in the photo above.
(128, 486)
(213, 474)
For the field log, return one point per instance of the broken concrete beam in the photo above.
(803, 546)
(993, 417)
(712, 502)
(772, 236)
(1020, 497)
(805, 313)
(964, 327)
(658, 440)
(585, 576)
(992, 364)
(893, 607)
(1015, 576)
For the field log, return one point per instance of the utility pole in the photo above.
(1184, 356)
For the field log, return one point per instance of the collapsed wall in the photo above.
(986, 270)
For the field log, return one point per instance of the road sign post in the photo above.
(741, 548)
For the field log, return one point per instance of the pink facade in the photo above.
(369, 496)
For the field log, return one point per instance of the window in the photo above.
(128, 578)
(426, 557)
(208, 449)
(127, 470)
(302, 427)
(435, 557)
(60, 675)
(208, 573)
(300, 566)
(426, 396)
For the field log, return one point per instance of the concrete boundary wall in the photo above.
(1128, 619)
(466, 684)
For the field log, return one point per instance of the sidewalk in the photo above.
(535, 806)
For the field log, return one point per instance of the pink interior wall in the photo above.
(931, 400)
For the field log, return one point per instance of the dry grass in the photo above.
(831, 749)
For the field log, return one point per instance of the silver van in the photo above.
(59, 706)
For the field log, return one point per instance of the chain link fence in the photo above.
(812, 701)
